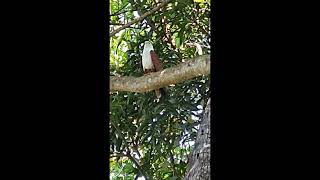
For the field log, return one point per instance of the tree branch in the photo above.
(199, 161)
(151, 24)
(113, 154)
(183, 71)
(140, 18)
(172, 163)
(119, 24)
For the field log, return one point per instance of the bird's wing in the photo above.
(156, 62)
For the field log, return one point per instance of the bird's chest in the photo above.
(147, 61)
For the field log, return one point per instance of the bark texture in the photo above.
(199, 160)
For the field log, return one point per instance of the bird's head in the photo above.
(148, 46)
(147, 43)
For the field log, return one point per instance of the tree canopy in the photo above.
(150, 138)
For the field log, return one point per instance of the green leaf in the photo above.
(199, 1)
(178, 42)
(173, 178)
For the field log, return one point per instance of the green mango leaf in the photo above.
(178, 42)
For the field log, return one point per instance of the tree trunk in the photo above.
(199, 159)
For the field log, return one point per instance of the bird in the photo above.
(151, 63)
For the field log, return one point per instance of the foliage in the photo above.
(147, 137)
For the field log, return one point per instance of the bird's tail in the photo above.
(160, 92)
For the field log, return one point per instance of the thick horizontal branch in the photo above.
(184, 71)
(140, 18)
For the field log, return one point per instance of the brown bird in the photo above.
(151, 63)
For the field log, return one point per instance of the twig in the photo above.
(167, 33)
(147, 18)
(128, 151)
(117, 155)
(137, 164)
(172, 163)
(200, 27)
(116, 24)
(140, 18)
(116, 14)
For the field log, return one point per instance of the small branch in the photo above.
(167, 32)
(184, 71)
(117, 155)
(198, 47)
(140, 18)
(140, 14)
(119, 24)
(172, 164)
(138, 165)
(200, 27)
(128, 150)
(116, 14)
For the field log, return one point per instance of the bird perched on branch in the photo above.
(151, 63)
